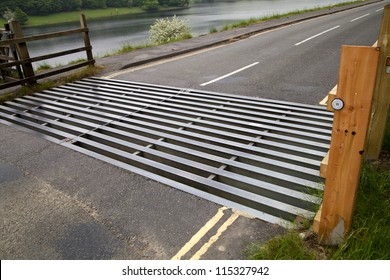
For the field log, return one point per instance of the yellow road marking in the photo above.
(214, 238)
(198, 236)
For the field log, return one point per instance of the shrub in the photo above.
(9, 15)
(169, 29)
(151, 5)
(18, 14)
(21, 16)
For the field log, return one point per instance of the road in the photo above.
(294, 63)
(60, 204)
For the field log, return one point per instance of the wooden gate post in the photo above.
(381, 102)
(22, 50)
(87, 41)
(353, 103)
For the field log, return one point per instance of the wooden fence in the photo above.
(16, 64)
(361, 105)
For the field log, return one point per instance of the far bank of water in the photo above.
(110, 34)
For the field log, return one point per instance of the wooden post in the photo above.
(380, 106)
(355, 88)
(87, 41)
(13, 51)
(22, 50)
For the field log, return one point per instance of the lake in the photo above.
(109, 34)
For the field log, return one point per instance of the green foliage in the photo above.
(117, 3)
(138, 3)
(286, 247)
(21, 16)
(79, 60)
(370, 235)
(169, 29)
(18, 14)
(94, 4)
(44, 66)
(71, 5)
(174, 3)
(9, 5)
(213, 30)
(150, 5)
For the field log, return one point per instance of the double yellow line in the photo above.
(203, 231)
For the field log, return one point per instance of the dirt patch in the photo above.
(384, 160)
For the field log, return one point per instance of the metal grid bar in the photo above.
(295, 156)
(260, 156)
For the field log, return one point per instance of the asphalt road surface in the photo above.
(296, 63)
(58, 204)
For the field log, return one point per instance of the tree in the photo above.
(18, 14)
(117, 3)
(71, 5)
(178, 3)
(21, 16)
(38, 7)
(151, 5)
(94, 4)
(138, 3)
(174, 3)
(8, 5)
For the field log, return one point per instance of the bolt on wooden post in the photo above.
(357, 74)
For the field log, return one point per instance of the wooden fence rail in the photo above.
(15, 57)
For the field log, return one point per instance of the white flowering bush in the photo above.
(9, 15)
(165, 30)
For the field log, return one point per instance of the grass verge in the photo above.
(251, 21)
(369, 238)
(28, 90)
(370, 235)
(128, 48)
(286, 247)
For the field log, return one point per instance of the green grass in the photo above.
(370, 235)
(44, 66)
(28, 90)
(251, 21)
(79, 60)
(213, 30)
(286, 247)
(129, 48)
